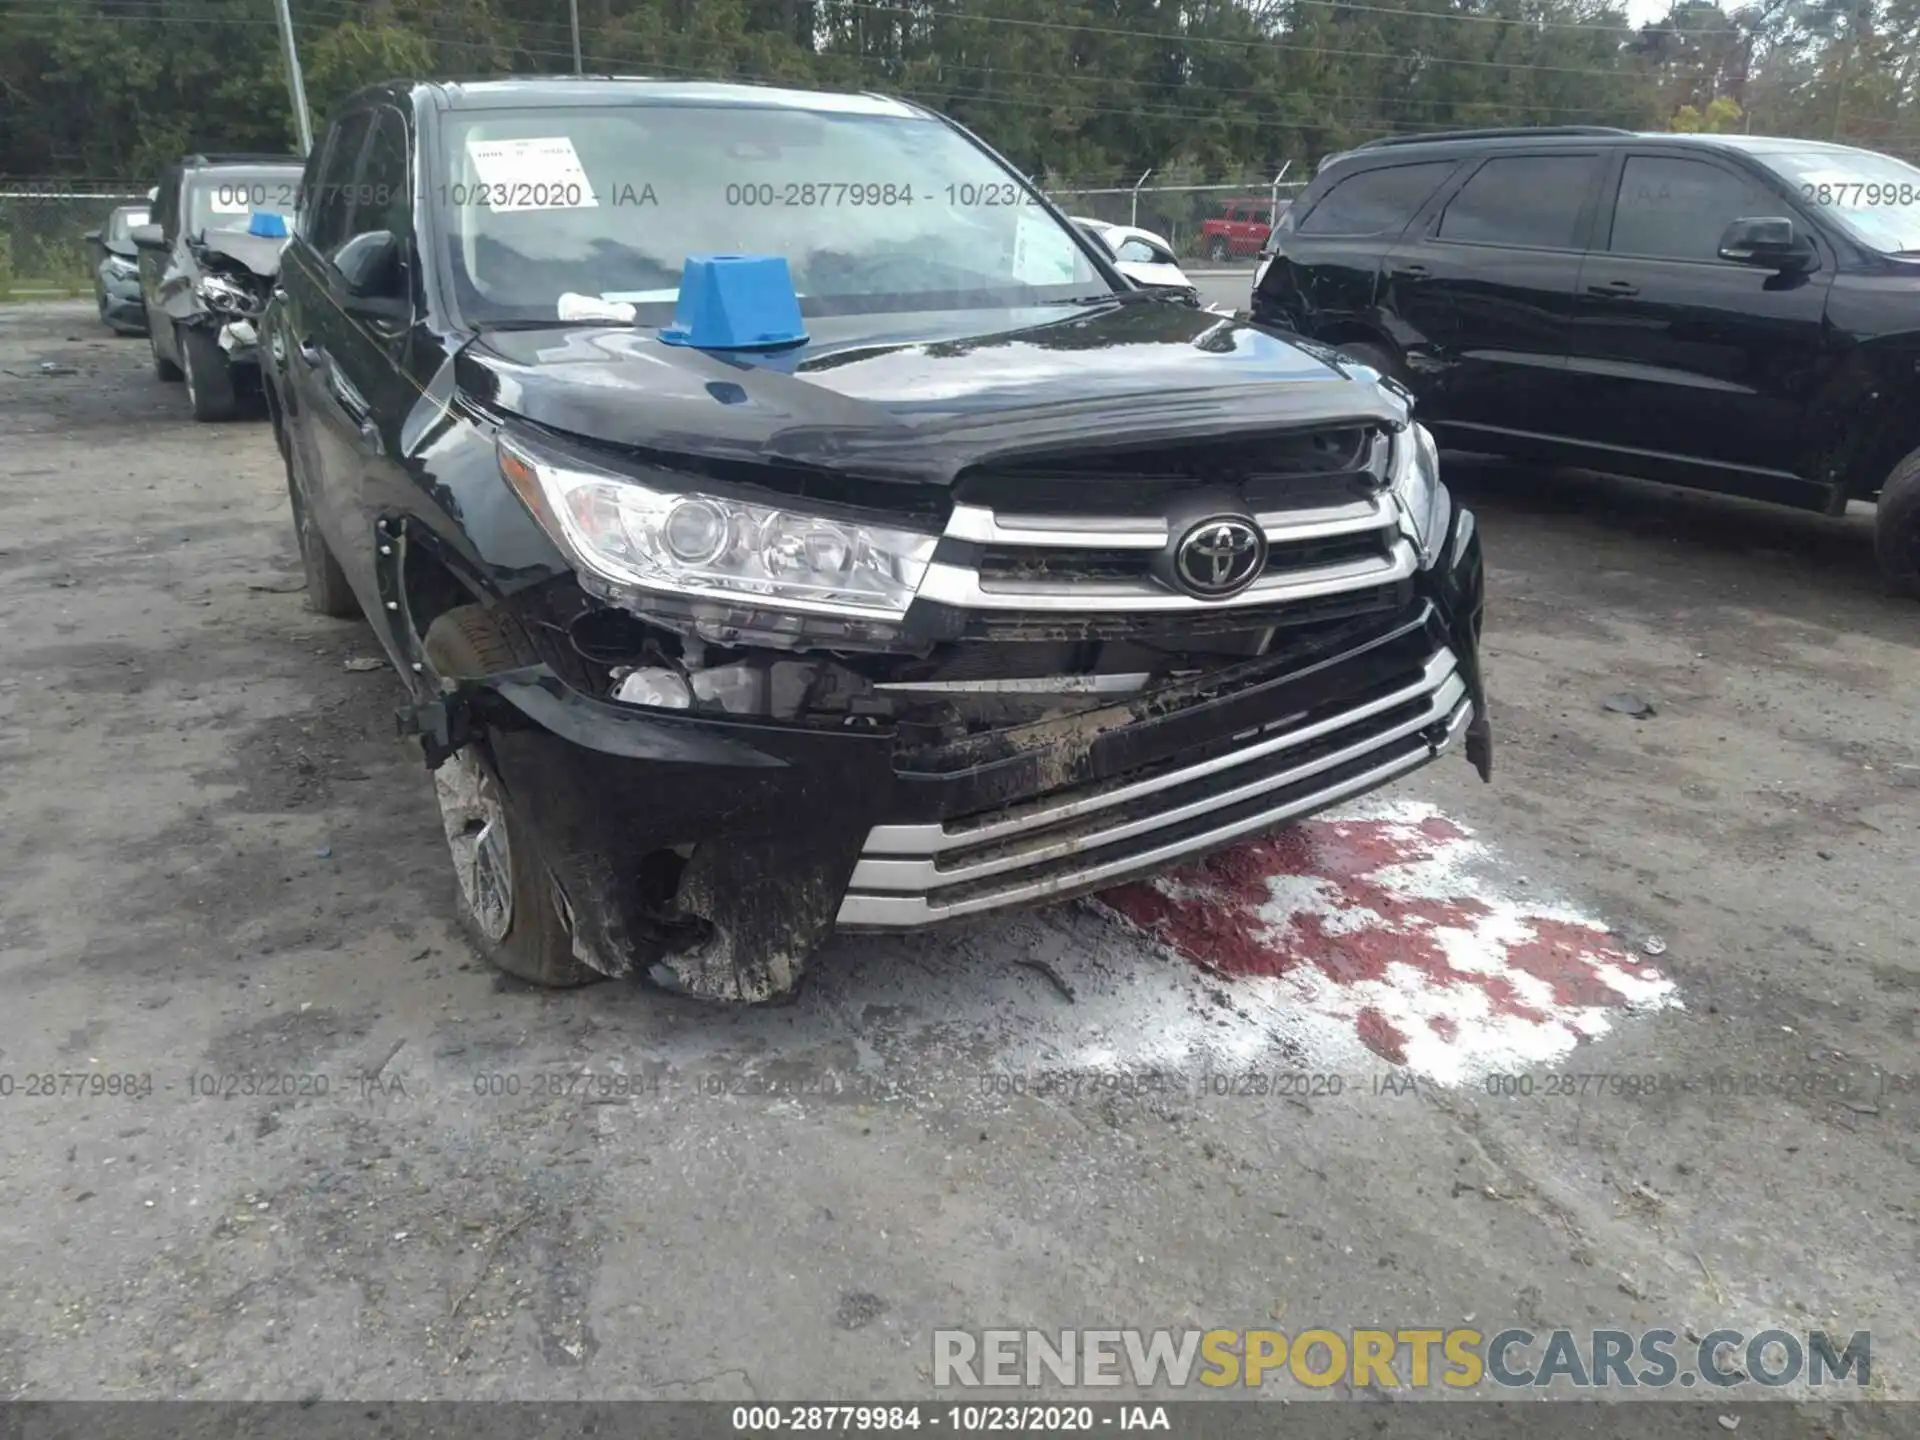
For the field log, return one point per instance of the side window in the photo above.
(1675, 209)
(1263, 216)
(382, 195)
(331, 203)
(1375, 202)
(1531, 200)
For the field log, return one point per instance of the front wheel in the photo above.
(210, 388)
(1896, 528)
(509, 900)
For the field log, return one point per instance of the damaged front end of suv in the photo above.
(233, 280)
(881, 676)
(208, 262)
(916, 607)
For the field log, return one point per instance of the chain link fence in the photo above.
(43, 227)
(1180, 212)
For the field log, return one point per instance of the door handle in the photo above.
(1412, 273)
(349, 399)
(1614, 290)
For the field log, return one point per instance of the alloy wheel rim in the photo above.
(475, 822)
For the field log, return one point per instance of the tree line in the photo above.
(1080, 91)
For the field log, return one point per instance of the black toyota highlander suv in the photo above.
(1729, 312)
(898, 563)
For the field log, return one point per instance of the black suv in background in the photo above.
(1728, 312)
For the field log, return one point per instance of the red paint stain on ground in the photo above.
(1383, 908)
(1381, 1036)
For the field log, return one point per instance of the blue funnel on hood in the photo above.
(268, 224)
(736, 302)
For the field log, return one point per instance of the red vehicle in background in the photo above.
(1239, 230)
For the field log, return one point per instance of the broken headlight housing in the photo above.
(1425, 505)
(701, 546)
(224, 295)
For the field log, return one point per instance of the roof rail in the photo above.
(1505, 132)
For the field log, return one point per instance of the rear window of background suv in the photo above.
(1377, 201)
(1523, 200)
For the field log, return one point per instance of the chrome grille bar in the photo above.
(914, 875)
(962, 586)
(864, 911)
(936, 839)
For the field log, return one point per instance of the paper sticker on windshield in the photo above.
(1042, 253)
(232, 200)
(542, 174)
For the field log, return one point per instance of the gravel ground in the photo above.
(221, 864)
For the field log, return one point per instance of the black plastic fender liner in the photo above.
(543, 700)
(773, 834)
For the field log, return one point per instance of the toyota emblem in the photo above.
(1220, 556)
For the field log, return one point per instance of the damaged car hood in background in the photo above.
(922, 397)
(259, 253)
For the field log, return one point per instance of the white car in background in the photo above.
(1142, 256)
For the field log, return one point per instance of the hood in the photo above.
(258, 253)
(922, 397)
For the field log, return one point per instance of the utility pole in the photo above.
(296, 87)
(1846, 59)
(573, 8)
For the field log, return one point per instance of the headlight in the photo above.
(221, 293)
(686, 544)
(1425, 505)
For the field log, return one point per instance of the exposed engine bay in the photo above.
(954, 703)
(234, 284)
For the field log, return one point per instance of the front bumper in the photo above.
(1276, 755)
(239, 341)
(121, 304)
(794, 831)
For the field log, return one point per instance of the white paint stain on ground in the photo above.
(1393, 925)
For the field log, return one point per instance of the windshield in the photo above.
(120, 226)
(1876, 197)
(226, 199)
(872, 213)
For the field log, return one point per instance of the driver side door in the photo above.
(360, 385)
(1691, 367)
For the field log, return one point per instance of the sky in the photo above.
(1641, 11)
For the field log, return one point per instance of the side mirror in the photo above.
(147, 237)
(369, 266)
(1768, 242)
